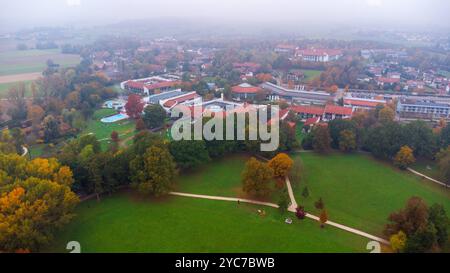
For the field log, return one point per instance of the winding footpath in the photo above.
(291, 208)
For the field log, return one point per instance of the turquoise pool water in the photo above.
(114, 118)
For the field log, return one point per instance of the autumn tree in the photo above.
(347, 141)
(7, 142)
(321, 139)
(51, 128)
(404, 157)
(35, 114)
(386, 115)
(323, 217)
(256, 178)
(398, 241)
(35, 201)
(281, 164)
(153, 172)
(134, 106)
(426, 228)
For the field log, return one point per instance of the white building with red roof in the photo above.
(327, 113)
(319, 55)
(362, 103)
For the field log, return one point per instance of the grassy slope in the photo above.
(359, 191)
(124, 224)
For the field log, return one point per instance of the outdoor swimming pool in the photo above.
(114, 118)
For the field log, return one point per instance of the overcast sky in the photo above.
(395, 13)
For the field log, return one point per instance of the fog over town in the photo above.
(372, 13)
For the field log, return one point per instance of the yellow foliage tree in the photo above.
(398, 241)
(281, 164)
(35, 201)
(256, 178)
(404, 157)
(386, 115)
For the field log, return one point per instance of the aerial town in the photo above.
(91, 157)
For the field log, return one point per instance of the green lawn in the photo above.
(310, 74)
(4, 87)
(219, 177)
(123, 223)
(103, 130)
(28, 61)
(428, 168)
(359, 191)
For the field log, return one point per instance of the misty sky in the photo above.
(395, 13)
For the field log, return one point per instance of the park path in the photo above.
(427, 177)
(291, 209)
(293, 205)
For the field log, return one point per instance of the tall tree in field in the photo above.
(51, 128)
(35, 201)
(404, 157)
(134, 106)
(154, 116)
(321, 139)
(281, 164)
(347, 141)
(256, 178)
(154, 172)
(323, 217)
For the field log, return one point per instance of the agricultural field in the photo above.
(360, 191)
(4, 87)
(15, 62)
(126, 223)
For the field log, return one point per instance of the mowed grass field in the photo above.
(103, 131)
(220, 177)
(311, 74)
(124, 223)
(360, 191)
(34, 60)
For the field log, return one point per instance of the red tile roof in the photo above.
(247, 88)
(363, 103)
(181, 99)
(313, 110)
(338, 110)
(162, 85)
(135, 84)
(311, 121)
